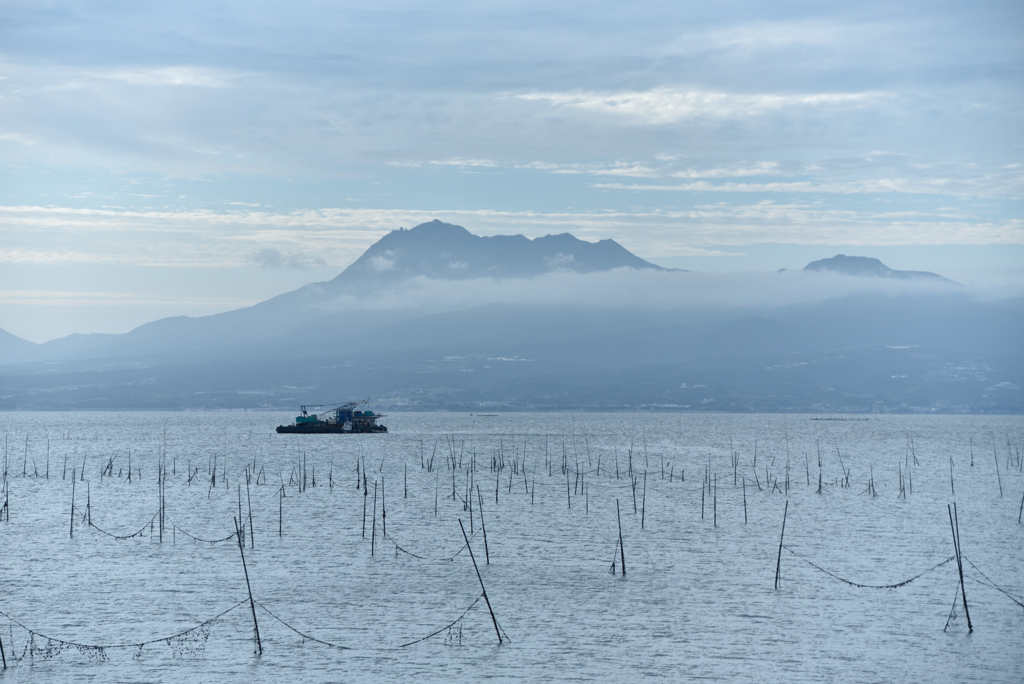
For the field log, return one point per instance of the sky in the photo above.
(161, 159)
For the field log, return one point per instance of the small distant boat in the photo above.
(344, 419)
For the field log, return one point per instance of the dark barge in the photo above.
(342, 419)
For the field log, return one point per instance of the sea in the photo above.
(155, 546)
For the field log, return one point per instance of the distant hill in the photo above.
(444, 251)
(13, 348)
(435, 250)
(867, 267)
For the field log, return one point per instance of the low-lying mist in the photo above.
(658, 290)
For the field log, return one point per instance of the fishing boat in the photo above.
(343, 419)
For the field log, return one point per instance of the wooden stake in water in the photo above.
(959, 564)
(998, 476)
(484, 590)
(643, 508)
(744, 500)
(778, 562)
(248, 504)
(72, 503)
(622, 551)
(252, 604)
(373, 530)
(480, 501)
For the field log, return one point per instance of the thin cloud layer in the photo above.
(630, 289)
(182, 238)
(670, 105)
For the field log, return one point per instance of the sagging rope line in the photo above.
(410, 553)
(448, 626)
(990, 583)
(138, 644)
(148, 523)
(198, 539)
(120, 537)
(868, 586)
(301, 634)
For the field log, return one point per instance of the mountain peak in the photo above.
(445, 251)
(867, 267)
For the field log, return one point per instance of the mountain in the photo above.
(433, 250)
(13, 347)
(553, 322)
(443, 251)
(867, 267)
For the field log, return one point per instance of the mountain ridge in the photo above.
(868, 267)
(446, 251)
(434, 250)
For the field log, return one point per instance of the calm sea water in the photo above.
(697, 602)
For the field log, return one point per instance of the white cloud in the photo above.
(170, 76)
(383, 262)
(18, 138)
(560, 261)
(668, 105)
(33, 298)
(631, 288)
(485, 163)
(970, 187)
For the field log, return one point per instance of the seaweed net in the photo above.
(305, 637)
(989, 583)
(122, 537)
(398, 547)
(951, 620)
(448, 628)
(200, 539)
(897, 585)
(189, 642)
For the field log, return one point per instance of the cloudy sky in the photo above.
(184, 158)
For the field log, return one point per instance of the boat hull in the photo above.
(325, 428)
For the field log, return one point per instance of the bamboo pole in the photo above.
(622, 550)
(999, 477)
(959, 564)
(493, 619)
(778, 562)
(744, 500)
(252, 604)
(373, 528)
(480, 500)
(643, 507)
(248, 504)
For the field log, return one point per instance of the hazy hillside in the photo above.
(867, 267)
(434, 250)
(435, 317)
